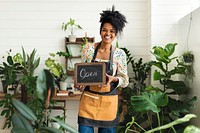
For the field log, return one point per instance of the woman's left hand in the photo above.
(111, 79)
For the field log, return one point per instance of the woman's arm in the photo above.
(122, 73)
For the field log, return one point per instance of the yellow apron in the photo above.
(99, 105)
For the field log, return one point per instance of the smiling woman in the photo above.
(99, 103)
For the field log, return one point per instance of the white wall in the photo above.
(193, 45)
(37, 24)
(164, 21)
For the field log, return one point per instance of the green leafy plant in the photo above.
(55, 124)
(29, 62)
(141, 72)
(8, 110)
(58, 117)
(21, 67)
(9, 71)
(71, 26)
(24, 116)
(151, 99)
(30, 117)
(55, 67)
(137, 85)
(186, 118)
(25, 120)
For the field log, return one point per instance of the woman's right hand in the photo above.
(80, 87)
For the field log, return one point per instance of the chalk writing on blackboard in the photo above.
(90, 73)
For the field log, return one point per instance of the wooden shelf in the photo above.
(79, 41)
(2, 95)
(75, 57)
(70, 72)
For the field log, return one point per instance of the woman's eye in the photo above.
(112, 31)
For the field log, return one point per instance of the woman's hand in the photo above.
(111, 79)
(80, 87)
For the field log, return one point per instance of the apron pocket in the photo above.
(98, 107)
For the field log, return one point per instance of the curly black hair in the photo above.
(115, 18)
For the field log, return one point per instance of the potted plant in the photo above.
(19, 69)
(171, 125)
(158, 105)
(188, 57)
(137, 84)
(71, 26)
(57, 70)
(8, 72)
(55, 124)
(24, 119)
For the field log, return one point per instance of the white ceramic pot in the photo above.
(63, 85)
(55, 125)
(72, 38)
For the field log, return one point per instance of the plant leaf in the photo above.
(10, 60)
(24, 110)
(178, 86)
(151, 88)
(41, 85)
(21, 122)
(149, 101)
(157, 75)
(177, 106)
(171, 124)
(191, 129)
(19, 130)
(45, 81)
(169, 48)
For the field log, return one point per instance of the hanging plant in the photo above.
(188, 57)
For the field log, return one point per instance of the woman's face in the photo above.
(108, 33)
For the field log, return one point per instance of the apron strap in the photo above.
(112, 49)
(111, 56)
(95, 52)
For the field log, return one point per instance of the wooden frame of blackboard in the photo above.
(93, 73)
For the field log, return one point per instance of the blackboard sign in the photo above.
(90, 73)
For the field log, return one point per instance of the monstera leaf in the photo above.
(149, 101)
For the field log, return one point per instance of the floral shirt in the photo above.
(119, 62)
